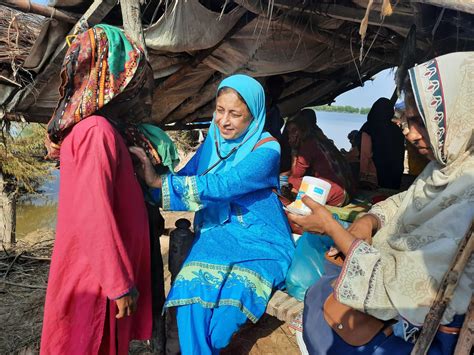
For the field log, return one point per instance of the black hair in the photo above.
(305, 121)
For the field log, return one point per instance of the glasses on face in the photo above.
(402, 123)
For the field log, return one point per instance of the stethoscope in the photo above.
(232, 151)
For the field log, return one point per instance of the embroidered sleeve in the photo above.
(361, 282)
(180, 193)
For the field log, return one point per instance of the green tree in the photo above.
(22, 170)
(348, 109)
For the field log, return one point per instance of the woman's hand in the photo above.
(364, 227)
(319, 221)
(127, 304)
(151, 178)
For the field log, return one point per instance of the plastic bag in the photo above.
(307, 265)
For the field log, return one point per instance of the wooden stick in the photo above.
(11, 265)
(38, 287)
(5, 250)
(47, 11)
(38, 258)
(132, 22)
(399, 22)
(466, 337)
(445, 293)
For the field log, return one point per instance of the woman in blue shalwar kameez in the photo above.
(243, 246)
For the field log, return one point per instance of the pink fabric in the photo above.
(102, 247)
(311, 161)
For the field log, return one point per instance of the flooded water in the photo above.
(337, 125)
(39, 211)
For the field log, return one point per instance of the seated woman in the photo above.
(243, 245)
(398, 253)
(382, 147)
(353, 155)
(315, 155)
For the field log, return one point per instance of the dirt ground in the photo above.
(21, 308)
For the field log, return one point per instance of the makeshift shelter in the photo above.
(321, 48)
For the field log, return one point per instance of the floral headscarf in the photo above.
(99, 65)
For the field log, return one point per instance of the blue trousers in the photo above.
(206, 331)
(320, 339)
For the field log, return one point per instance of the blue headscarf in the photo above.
(254, 96)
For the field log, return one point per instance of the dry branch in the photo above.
(23, 285)
(29, 7)
(18, 32)
(39, 287)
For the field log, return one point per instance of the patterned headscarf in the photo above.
(443, 89)
(99, 65)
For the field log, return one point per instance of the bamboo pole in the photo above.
(445, 293)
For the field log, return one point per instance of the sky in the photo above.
(382, 86)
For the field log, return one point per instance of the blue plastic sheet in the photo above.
(307, 265)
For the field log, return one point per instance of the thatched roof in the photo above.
(315, 45)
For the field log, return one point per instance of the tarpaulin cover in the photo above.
(189, 26)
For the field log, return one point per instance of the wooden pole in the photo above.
(132, 22)
(399, 22)
(445, 293)
(47, 11)
(7, 213)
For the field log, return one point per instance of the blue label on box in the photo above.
(300, 195)
(318, 190)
